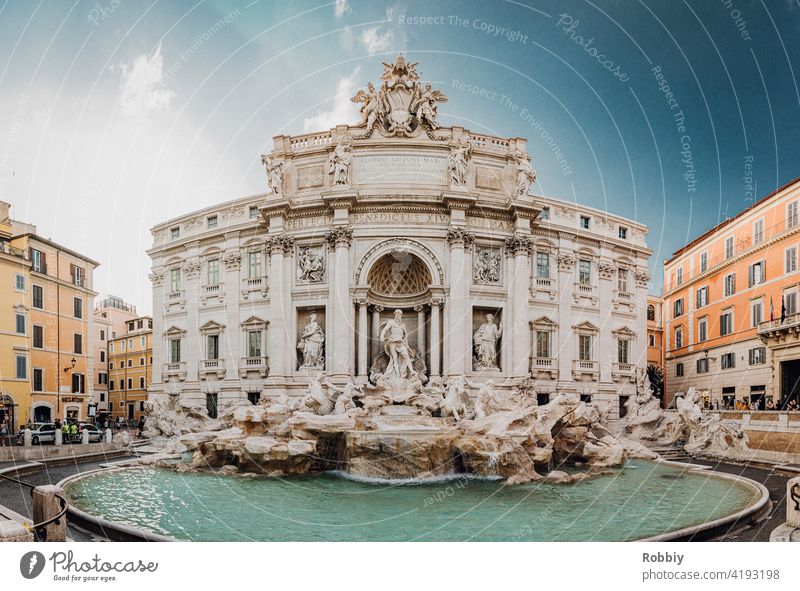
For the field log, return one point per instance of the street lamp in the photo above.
(71, 365)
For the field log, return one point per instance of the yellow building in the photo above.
(58, 307)
(110, 318)
(14, 327)
(130, 369)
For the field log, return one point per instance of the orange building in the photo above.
(731, 308)
(110, 318)
(655, 332)
(130, 368)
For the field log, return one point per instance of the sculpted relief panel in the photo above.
(310, 264)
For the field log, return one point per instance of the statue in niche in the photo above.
(485, 342)
(274, 173)
(339, 164)
(311, 264)
(311, 344)
(458, 162)
(487, 266)
(395, 343)
(526, 175)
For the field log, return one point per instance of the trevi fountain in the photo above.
(476, 423)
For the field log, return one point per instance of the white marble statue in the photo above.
(526, 175)
(424, 105)
(339, 164)
(316, 399)
(311, 344)
(486, 268)
(371, 107)
(395, 343)
(345, 396)
(456, 401)
(458, 162)
(485, 342)
(274, 173)
(486, 404)
(310, 264)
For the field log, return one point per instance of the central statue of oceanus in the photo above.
(398, 360)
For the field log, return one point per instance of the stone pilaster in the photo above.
(567, 345)
(435, 338)
(340, 238)
(520, 247)
(459, 315)
(363, 340)
(278, 349)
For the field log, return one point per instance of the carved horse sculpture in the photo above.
(457, 399)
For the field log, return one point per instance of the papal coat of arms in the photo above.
(402, 105)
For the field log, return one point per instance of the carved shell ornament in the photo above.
(403, 105)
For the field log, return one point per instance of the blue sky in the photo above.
(118, 114)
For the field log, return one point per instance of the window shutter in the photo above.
(750, 275)
(763, 271)
(699, 304)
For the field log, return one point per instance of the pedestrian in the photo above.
(73, 431)
(3, 432)
(141, 427)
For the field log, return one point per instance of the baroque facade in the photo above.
(260, 294)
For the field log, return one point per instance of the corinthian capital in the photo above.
(340, 236)
(519, 244)
(457, 236)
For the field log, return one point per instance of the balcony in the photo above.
(212, 367)
(175, 298)
(582, 369)
(6, 248)
(175, 369)
(584, 291)
(213, 290)
(254, 364)
(775, 331)
(256, 285)
(621, 372)
(544, 286)
(544, 367)
(624, 298)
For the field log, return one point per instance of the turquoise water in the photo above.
(639, 500)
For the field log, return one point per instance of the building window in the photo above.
(102, 396)
(211, 221)
(703, 262)
(175, 279)
(702, 365)
(254, 265)
(679, 276)
(111, 365)
(679, 370)
(77, 308)
(141, 383)
(755, 274)
(211, 405)
(791, 260)
(102, 356)
(38, 297)
(38, 380)
(730, 285)
(78, 275)
(702, 297)
(728, 360)
(651, 313)
(678, 337)
(622, 280)
(756, 313)
(111, 385)
(651, 340)
(585, 347)
(213, 272)
(545, 213)
(253, 212)
(791, 215)
(21, 367)
(623, 349)
(758, 355)
(77, 343)
(130, 362)
(254, 343)
(130, 383)
(677, 308)
(585, 272)
(758, 231)
(175, 232)
(623, 233)
(543, 344)
(102, 378)
(174, 350)
(585, 222)
(19, 282)
(726, 323)
(21, 328)
(37, 260)
(254, 397)
(212, 346)
(543, 265)
(78, 383)
(102, 335)
(702, 330)
(790, 301)
(729, 247)
(38, 336)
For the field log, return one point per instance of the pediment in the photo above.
(174, 331)
(543, 322)
(212, 326)
(586, 326)
(624, 332)
(254, 322)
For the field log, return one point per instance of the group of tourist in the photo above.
(791, 405)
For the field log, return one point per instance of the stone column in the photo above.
(435, 335)
(340, 237)
(376, 329)
(458, 313)
(420, 310)
(363, 341)
(520, 246)
(276, 331)
(193, 285)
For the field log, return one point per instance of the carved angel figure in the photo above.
(424, 105)
(274, 173)
(458, 162)
(371, 108)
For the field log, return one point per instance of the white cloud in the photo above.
(375, 41)
(347, 38)
(341, 8)
(143, 90)
(343, 109)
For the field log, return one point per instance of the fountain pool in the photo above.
(639, 500)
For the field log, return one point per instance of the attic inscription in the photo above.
(399, 168)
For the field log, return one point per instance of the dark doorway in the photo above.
(42, 414)
(131, 407)
(586, 397)
(542, 398)
(790, 381)
(211, 405)
(254, 397)
(622, 410)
